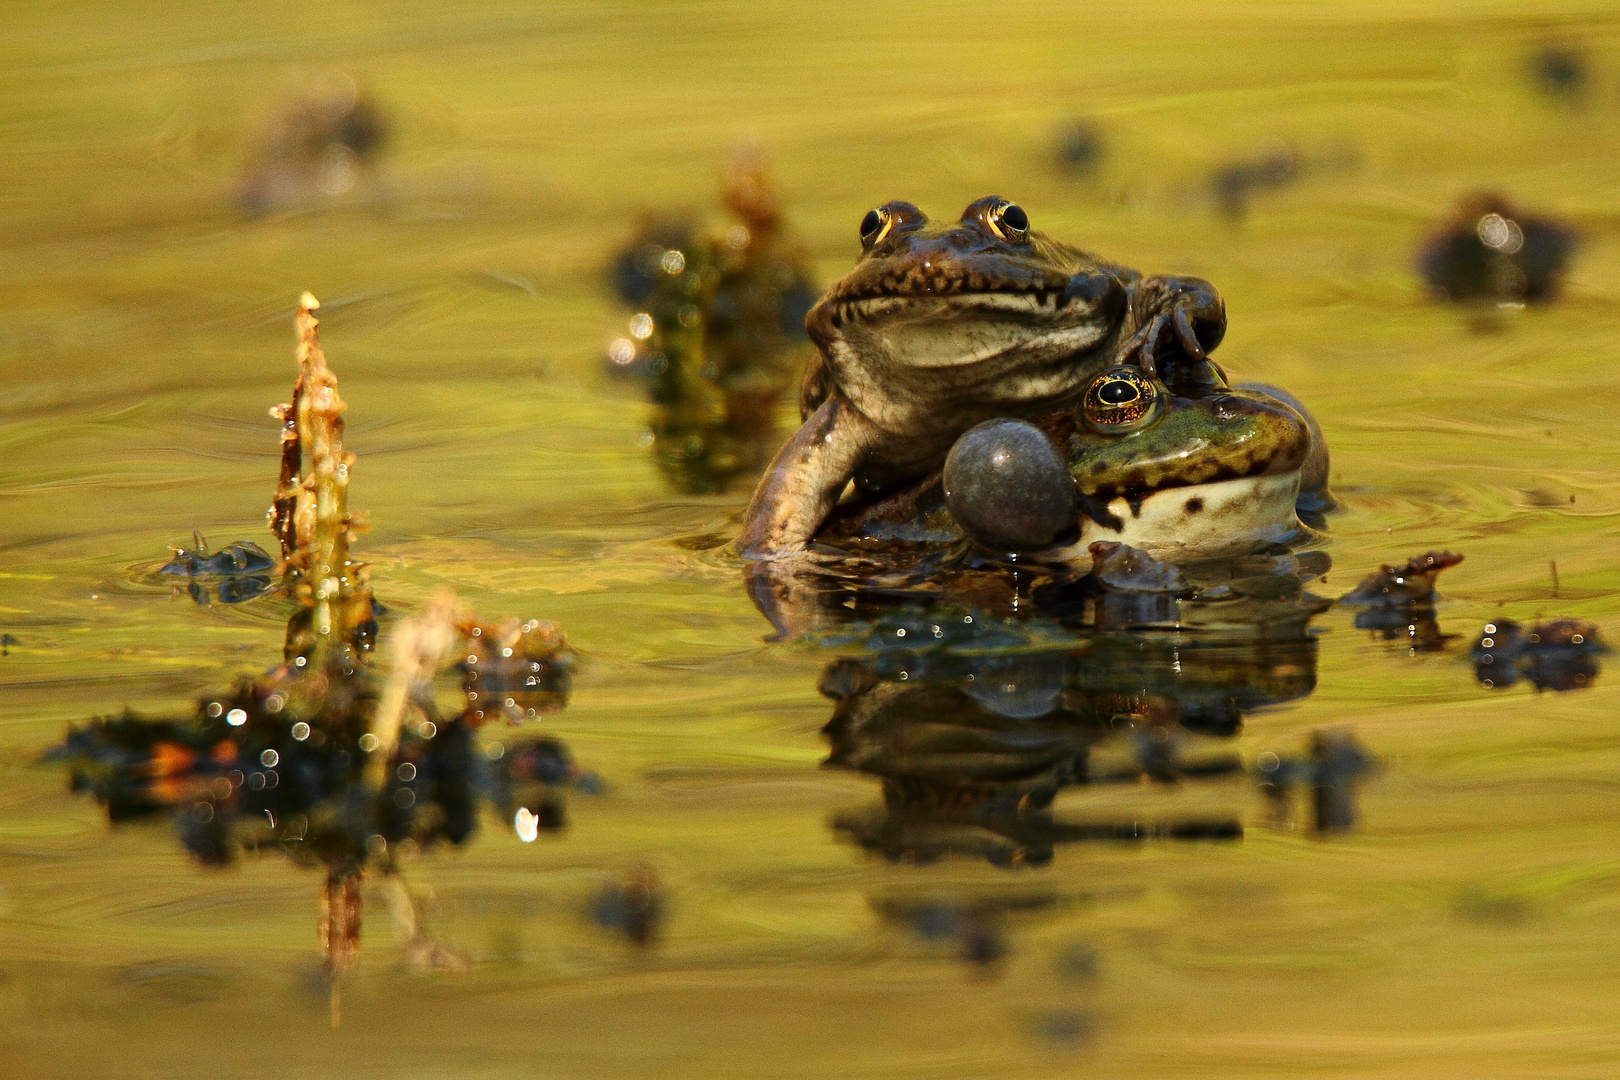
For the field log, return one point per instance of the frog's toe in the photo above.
(1008, 486)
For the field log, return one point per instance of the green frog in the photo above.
(1182, 476)
(1191, 476)
(940, 327)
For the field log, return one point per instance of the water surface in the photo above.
(1467, 927)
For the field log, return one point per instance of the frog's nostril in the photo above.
(1096, 290)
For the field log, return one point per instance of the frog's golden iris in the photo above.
(1120, 400)
(1008, 221)
(875, 226)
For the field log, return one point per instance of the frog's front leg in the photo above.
(1170, 312)
(803, 483)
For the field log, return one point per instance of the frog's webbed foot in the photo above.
(1173, 314)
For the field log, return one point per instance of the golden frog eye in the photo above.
(1008, 221)
(875, 226)
(1120, 400)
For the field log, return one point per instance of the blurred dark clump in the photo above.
(1560, 70)
(1397, 602)
(313, 148)
(1332, 769)
(631, 906)
(1235, 183)
(1557, 655)
(717, 318)
(1077, 148)
(1274, 165)
(974, 930)
(1492, 251)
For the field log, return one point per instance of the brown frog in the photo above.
(940, 327)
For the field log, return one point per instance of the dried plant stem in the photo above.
(309, 513)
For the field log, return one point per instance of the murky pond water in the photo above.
(872, 860)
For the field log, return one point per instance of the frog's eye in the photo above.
(875, 226)
(1008, 221)
(1120, 400)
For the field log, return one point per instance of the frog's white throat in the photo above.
(1230, 517)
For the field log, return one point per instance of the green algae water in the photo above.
(1465, 927)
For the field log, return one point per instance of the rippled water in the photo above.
(1466, 926)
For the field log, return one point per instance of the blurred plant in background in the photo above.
(313, 148)
(717, 320)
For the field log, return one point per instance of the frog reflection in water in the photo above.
(939, 328)
(973, 748)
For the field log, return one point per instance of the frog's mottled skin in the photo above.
(1215, 473)
(1226, 436)
(940, 327)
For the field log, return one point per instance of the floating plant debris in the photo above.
(1490, 250)
(238, 558)
(1398, 601)
(1557, 655)
(716, 319)
(241, 570)
(1398, 586)
(515, 670)
(319, 758)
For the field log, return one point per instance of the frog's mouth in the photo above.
(1198, 520)
(962, 316)
(1098, 500)
(963, 328)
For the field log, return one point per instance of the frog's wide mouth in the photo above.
(950, 302)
